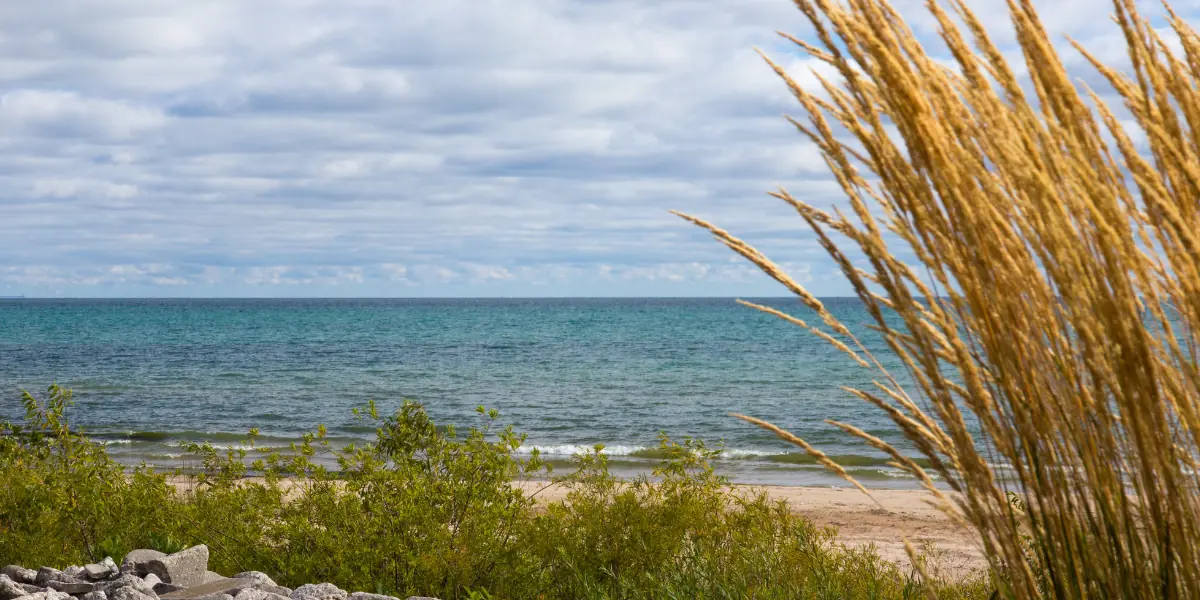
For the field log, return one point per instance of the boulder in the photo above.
(130, 593)
(215, 597)
(73, 571)
(256, 594)
(30, 588)
(420, 598)
(71, 587)
(212, 576)
(46, 575)
(318, 591)
(47, 595)
(19, 574)
(186, 567)
(111, 586)
(10, 589)
(135, 562)
(226, 586)
(102, 570)
(94, 595)
(366, 596)
(258, 576)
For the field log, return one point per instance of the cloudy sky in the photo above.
(411, 148)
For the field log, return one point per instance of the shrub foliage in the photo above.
(424, 510)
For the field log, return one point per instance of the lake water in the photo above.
(571, 373)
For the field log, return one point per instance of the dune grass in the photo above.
(1034, 261)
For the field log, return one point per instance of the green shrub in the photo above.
(426, 511)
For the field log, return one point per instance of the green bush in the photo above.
(423, 510)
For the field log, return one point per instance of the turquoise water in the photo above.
(571, 373)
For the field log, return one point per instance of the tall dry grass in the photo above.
(1055, 295)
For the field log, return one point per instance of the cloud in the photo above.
(370, 147)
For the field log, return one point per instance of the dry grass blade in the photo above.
(1056, 331)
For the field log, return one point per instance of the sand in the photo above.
(883, 520)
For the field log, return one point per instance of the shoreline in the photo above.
(884, 519)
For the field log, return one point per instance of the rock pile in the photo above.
(153, 575)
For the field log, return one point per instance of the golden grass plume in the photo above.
(1054, 306)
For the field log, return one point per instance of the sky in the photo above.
(287, 148)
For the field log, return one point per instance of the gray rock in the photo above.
(47, 574)
(256, 594)
(127, 580)
(102, 570)
(420, 598)
(71, 587)
(215, 597)
(258, 576)
(212, 576)
(366, 596)
(19, 574)
(186, 567)
(94, 595)
(135, 562)
(167, 588)
(47, 595)
(129, 593)
(10, 589)
(318, 591)
(73, 571)
(276, 589)
(151, 580)
(226, 586)
(30, 588)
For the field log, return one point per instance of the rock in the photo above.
(276, 589)
(10, 589)
(420, 598)
(102, 570)
(71, 587)
(135, 562)
(47, 595)
(213, 576)
(227, 586)
(94, 595)
(74, 572)
(30, 588)
(127, 580)
(47, 574)
(258, 576)
(257, 594)
(318, 591)
(19, 574)
(185, 568)
(129, 593)
(366, 596)
(215, 597)
(151, 580)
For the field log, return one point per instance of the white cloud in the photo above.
(481, 146)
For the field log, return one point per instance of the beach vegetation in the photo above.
(423, 510)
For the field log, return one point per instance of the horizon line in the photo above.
(403, 297)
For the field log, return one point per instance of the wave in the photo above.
(850, 461)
